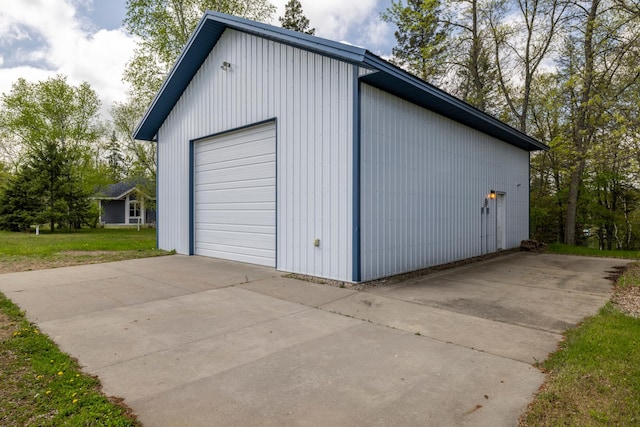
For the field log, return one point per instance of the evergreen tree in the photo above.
(420, 36)
(294, 18)
(115, 159)
(21, 204)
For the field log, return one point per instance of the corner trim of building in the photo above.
(192, 190)
(356, 259)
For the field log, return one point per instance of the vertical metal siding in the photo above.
(424, 179)
(311, 96)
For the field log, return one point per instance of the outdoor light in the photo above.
(492, 194)
(225, 66)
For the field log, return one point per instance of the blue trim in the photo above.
(384, 76)
(192, 198)
(276, 195)
(157, 197)
(355, 240)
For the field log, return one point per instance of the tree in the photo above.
(56, 124)
(294, 18)
(21, 204)
(470, 54)
(421, 37)
(115, 159)
(602, 51)
(163, 27)
(141, 155)
(520, 47)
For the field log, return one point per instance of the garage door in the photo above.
(235, 195)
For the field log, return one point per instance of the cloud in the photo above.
(356, 22)
(68, 45)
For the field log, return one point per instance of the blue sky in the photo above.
(84, 39)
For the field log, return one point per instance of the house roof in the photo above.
(117, 191)
(384, 75)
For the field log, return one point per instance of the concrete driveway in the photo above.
(191, 341)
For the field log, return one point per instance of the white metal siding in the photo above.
(311, 98)
(235, 195)
(424, 179)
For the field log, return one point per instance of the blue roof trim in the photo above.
(388, 77)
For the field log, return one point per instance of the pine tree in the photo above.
(294, 18)
(421, 36)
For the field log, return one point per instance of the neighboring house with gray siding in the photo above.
(124, 203)
(316, 157)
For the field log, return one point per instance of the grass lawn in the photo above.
(594, 377)
(561, 248)
(40, 385)
(26, 251)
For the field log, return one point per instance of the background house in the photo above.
(320, 158)
(124, 203)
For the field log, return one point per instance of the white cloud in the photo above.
(338, 19)
(70, 48)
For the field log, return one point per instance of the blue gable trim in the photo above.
(385, 76)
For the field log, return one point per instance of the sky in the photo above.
(85, 41)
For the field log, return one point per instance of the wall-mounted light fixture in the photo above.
(492, 194)
(225, 66)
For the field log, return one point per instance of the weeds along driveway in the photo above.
(191, 341)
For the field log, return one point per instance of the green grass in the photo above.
(41, 386)
(96, 239)
(28, 251)
(594, 377)
(560, 248)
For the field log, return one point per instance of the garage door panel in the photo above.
(265, 260)
(238, 195)
(240, 218)
(235, 193)
(245, 183)
(250, 159)
(247, 150)
(254, 135)
(238, 173)
(248, 241)
(266, 206)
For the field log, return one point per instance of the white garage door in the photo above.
(235, 195)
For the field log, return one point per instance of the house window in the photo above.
(134, 209)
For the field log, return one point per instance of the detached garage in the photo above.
(315, 157)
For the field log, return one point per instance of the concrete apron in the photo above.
(191, 341)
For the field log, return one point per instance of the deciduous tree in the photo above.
(56, 124)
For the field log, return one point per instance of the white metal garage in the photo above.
(235, 195)
(378, 172)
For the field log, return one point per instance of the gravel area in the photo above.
(627, 299)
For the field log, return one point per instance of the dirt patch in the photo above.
(14, 264)
(627, 299)
(7, 327)
(86, 253)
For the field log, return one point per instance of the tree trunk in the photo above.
(572, 204)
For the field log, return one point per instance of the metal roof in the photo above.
(385, 76)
